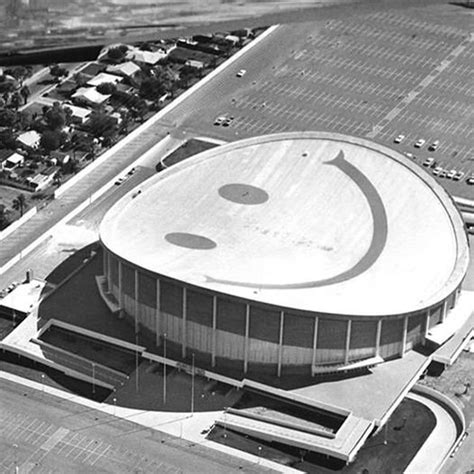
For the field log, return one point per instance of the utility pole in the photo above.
(164, 369)
(192, 387)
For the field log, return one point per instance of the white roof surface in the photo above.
(104, 78)
(90, 94)
(30, 138)
(315, 221)
(128, 68)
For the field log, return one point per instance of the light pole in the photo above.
(136, 361)
(192, 386)
(259, 453)
(42, 382)
(93, 377)
(164, 369)
(15, 447)
(115, 405)
(385, 434)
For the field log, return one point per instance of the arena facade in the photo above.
(289, 253)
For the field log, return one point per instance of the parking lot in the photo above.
(377, 76)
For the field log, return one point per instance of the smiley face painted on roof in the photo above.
(244, 194)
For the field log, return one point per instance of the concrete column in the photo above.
(444, 310)
(214, 330)
(120, 284)
(280, 342)
(377, 337)
(183, 326)
(157, 313)
(246, 342)
(427, 324)
(348, 341)
(455, 299)
(135, 303)
(104, 263)
(315, 343)
(404, 336)
(107, 270)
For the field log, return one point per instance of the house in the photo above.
(92, 69)
(104, 78)
(78, 114)
(128, 69)
(146, 57)
(90, 96)
(232, 39)
(194, 63)
(30, 139)
(10, 163)
(42, 180)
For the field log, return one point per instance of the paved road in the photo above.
(40, 433)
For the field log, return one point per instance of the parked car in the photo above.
(451, 174)
(437, 170)
(434, 145)
(241, 73)
(227, 121)
(429, 162)
(470, 180)
(419, 143)
(219, 120)
(410, 155)
(459, 175)
(443, 174)
(399, 138)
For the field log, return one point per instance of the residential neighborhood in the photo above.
(47, 137)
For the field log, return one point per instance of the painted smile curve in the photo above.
(377, 244)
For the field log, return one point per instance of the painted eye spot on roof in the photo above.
(243, 194)
(190, 241)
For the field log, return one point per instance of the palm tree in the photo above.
(19, 203)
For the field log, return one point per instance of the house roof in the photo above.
(104, 78)
(148, 57)
(90, 94)
(80, 112)
(30, 138)
(15, 159)
(127, 69)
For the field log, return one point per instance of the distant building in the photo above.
(146, 57)
(194, 63)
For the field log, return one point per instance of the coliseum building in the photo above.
(289, 253)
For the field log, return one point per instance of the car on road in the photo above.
(437, 170)
(419, 143)
(119, 181)
(458, 176)
(399, 138)
(434, 145)
(241, 73)
(130, 172)
(429, 162)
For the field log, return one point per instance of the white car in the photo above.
(434, 145)
(470, 180)
(451, 174)
(241, 73)
(458, 176)
(429, 162)
(443, 174)
(219, 120)
(399, 139)
(419, 143)
(437, 170)
(410, 155)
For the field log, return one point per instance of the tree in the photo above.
(152, 88)
(8, 118)
(25, 93)
(16, 100)
(4, 221)
(7, 139)
(107, 88)
(117, 53)
(50, 140)
(57, 71)
(102, 125)
(19, 203)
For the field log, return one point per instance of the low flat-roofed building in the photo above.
(146, 57)
(30, 139)
(78, 114)
(128, 69)
(14, 160)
